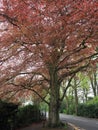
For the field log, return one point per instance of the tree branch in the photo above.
(72, 72)
(76, 50)
(43, 98)
(9, 19)
(70, 64)
(67, 87)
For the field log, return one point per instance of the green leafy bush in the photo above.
(89, 109)
(27, 115)
(7, 115)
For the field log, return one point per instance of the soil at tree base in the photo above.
(39, 126)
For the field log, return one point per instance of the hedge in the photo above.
(12, 116)
(7, 115)
(88, 110)
(27, 115)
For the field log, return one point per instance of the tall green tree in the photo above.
(93, 78)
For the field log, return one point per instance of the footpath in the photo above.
(35, 126)
(39, 126)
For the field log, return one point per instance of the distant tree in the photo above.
(75, 87)
(93, 78)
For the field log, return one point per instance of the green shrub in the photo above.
(89, 109)
(7, 115)
(27, 115)
(71, 109)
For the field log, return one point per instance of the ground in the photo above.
(39, 126)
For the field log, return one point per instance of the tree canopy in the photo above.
(43, 42)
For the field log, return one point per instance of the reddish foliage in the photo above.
(43, 36)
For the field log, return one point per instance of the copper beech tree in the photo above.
(43, 42)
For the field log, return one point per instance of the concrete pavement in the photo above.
(81, 122)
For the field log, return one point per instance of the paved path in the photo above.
(37, 126)
(83, 123)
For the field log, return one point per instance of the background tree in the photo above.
(81, 90)
(75, 87)
(93, 77)
(84, 87)
(44, 42)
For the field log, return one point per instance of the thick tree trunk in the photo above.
(54, 106)
(54, 120)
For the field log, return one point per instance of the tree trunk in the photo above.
(67, 104)
(76, 101)
(76, 96)
(54, 120)
(93, 86)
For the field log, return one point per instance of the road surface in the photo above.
(81, 122)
